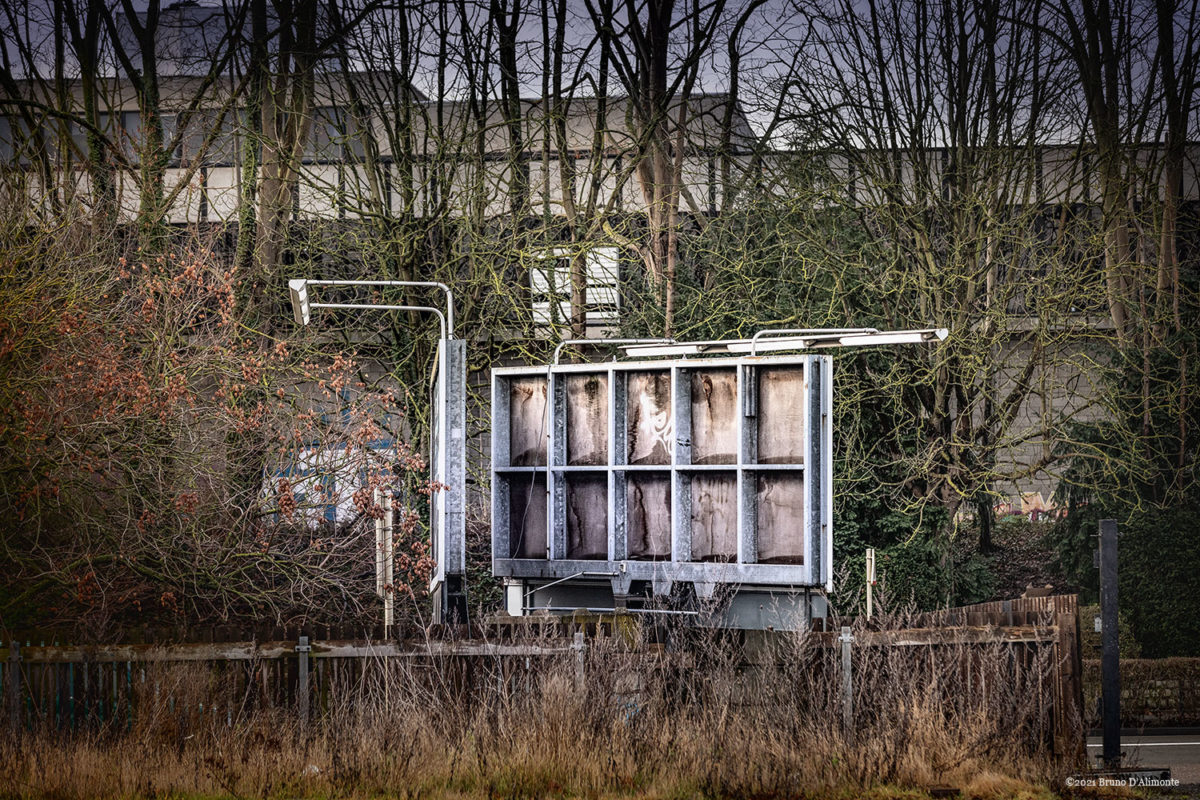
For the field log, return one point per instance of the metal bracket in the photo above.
(597, 342)
(806, 332)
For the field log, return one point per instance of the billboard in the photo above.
(706, 471)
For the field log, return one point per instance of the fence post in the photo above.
(578, 647)
(302, 651)
(14, 686)
(847, 685)
(1110, 654)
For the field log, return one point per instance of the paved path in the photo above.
(1180, 752)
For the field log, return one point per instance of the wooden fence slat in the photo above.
(273, 651)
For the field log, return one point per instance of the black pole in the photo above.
(1110, 675)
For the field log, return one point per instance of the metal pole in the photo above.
(389, 596)
(377, 499)
(847, 685)
(870, 581)
(14, 685)
(1110, 656)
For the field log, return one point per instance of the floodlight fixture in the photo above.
(302, 304)
(298, 287)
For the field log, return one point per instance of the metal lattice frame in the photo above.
(816, 569)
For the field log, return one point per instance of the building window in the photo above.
(335, 136)
(550, 289)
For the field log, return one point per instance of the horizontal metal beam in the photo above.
(442, 325)
(601, 343)
(766, 575)
(766, 341)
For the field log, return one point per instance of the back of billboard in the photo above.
(622, 480)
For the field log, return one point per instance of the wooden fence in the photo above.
(52, 685)
(1033, 630)
(69, 687)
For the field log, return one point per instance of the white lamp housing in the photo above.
(300, 307)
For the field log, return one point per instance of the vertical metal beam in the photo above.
(556, 456)
(377, 499)
(501, 522)
(450, 469)
(456, 477)
(747, 525)
(681, 453)
(814, 463)
(827, 472)
(1110, 657)
(389, 559)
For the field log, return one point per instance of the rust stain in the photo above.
(527, 431)
(781, 416)
(649, 517)
(714, 518)
(714, 408)
(587, 517)
(780, 500)
(587, 420)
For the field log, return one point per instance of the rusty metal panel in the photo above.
(780, 513)
(648, 520)
(587, 516)
(587, 420)
(714, 417)
(528, 422)
(648, 416)
(781, 422)
(527, 516)
(714, 517)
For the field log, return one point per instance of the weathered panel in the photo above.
(714, 517)
(527, 516)
(528, 422)
(649, 517)
(781, 415)
(648, 416)
(587, 420)
(587, 516)
(781, 518)
(714, 417)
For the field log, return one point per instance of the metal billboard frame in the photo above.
(816, 570)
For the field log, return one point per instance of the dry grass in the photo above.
(705, 716)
